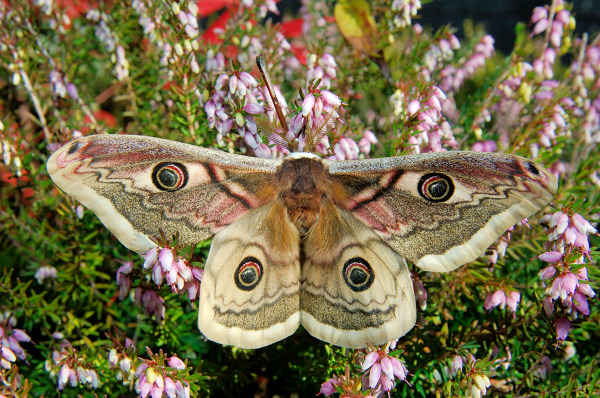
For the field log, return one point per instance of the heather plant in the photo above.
(82, 316)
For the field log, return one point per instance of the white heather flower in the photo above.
(45, 272)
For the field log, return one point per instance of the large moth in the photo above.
(303, 240)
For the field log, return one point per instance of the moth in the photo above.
(303, 240)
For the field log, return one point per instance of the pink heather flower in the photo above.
(485, 146)
(345, 148)
(500, 298)
(331, 99)
(157, 274)
(233, 92)
(457, 364)
(320, 113)
(547, 273)
(413, 107)
(113, 358)
(563, 326)
(540, 26)
(8, 354)
(170, 389)
(323, 68)
(569, 231)
(150, 258)
(480, 384)
(584, 286)
(166, 258)
(151, 302)
(176, 363)
(451, 78)
(58, 85)
(364, 144)
(308, 104)
(548, 306)
(539, 13)
(551, 257)
(563, 286)
(582, 225)
(512, 299)
(20, 335)
(580, 303)
(254, 109)
(544, 368)
(328, 388)
(124, 280)
(63, 376)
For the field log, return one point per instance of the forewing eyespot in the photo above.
(170, 177)
(74, 148)
(248, 274)
(532, 168)
(358, 274)
(435, 187)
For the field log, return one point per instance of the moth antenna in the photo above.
(260, 62)
(276, 134)
(322, 130)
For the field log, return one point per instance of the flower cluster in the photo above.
(455, 366)
(383, 369)
(565, 275)
(553, 21)
(225, 108)
(150, 301)
(321, 68)
(502, 298)
(477, 385)
(319, 116)
(10, 343)
(149, 22)
(45, 272)
(406, 10)
(423, 116)
(154, 379)
(121, 360)
(452, 76)
(586, 102)
(438, 54)
(174, 270)
(107, 37)
(71, 368)
(189, 24)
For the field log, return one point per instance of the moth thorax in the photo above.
(302, 182)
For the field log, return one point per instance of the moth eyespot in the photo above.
(358, 274)
(532, 168)
(74, 147)
(169, 176)
(248, 274)
(435, 187)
